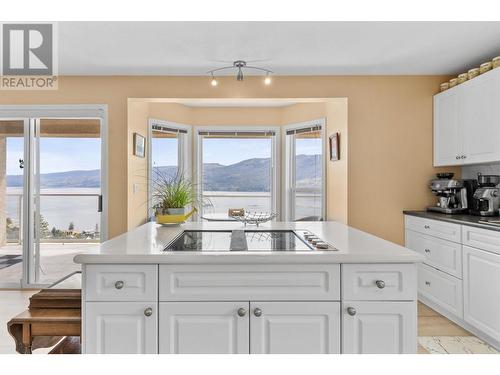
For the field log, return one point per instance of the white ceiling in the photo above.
(287, 48)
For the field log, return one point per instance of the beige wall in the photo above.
(390, 132)
(337, 176)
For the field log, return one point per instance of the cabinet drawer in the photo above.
(249, 282)
(484, 239)
(441, 288)
(440, 229)
(121, 282)
(379, 282)
(438, 253)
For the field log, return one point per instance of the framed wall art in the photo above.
(334, 147)
(139, 145)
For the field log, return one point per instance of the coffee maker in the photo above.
(486, 199)
(454, 195)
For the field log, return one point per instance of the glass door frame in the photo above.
(288, 197)
(31, 115)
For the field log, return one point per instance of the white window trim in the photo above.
(184, 159)
(288, 173)
(275, 157)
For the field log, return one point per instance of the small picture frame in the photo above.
(334, 147)
(139, 145)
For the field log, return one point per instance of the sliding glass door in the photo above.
(51, 194)
(305, 180)
(67, 194)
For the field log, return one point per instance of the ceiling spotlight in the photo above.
(239, 76)
(267, 80)
(213, 81)
(240, 65)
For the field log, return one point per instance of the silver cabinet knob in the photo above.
(380, 284)
(119, 284)
(428, 283)
(148, 311)
(257, 312)
(242, 311)
(351, 311)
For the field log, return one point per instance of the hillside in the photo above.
(246, 175)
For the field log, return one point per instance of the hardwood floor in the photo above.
(12, 302)
(431, 323)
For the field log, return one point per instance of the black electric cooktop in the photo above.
(240, 240)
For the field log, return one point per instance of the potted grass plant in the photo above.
(172, 195)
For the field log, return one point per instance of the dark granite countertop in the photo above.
(463, 219)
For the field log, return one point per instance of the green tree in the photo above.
(54, 232)
(71, 227)
(44, 227)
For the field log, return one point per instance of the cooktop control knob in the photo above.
(313, 238)
(321, 245)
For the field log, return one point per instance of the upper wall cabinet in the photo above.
(467, 122)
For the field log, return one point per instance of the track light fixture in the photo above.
(240, 65)
(267, 80)
(213, 81)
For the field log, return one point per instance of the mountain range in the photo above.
(246, 175)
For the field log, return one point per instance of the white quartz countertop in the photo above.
(146, 244)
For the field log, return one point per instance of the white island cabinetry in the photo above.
(358, 299)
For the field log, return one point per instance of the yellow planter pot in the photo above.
(174, 219)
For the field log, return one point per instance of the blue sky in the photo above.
(57, 154)
(227, 151)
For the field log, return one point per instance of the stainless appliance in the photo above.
(454, 195)
(248, 240)
(486, 199)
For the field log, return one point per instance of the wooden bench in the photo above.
(53, 315)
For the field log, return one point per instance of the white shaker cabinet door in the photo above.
(379, 327)
(482, 290)
(121, 328)
(204, 328)
(294, 327)
(447, 141)
(478, 123)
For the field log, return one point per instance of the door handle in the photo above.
(21, 163)
(99, 203)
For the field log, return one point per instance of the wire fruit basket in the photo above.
(255, 218)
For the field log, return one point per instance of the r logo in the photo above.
(27, 49)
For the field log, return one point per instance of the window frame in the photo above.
(275, 157)
(288, 197)
(184, 152)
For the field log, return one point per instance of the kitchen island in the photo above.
(236, 289)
